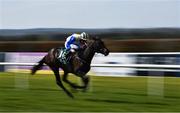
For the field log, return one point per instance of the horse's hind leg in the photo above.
(59, 83)
(38, 66)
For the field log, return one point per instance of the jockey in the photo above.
(73, 42)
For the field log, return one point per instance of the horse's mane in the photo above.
(92, 39)
(88, 48)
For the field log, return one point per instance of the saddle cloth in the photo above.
(62, 56)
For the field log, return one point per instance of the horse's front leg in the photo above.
(73, 85)
(85, 80)
(58, 81)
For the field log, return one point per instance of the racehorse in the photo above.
(78, 67)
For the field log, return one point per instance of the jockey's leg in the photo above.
(72, 50)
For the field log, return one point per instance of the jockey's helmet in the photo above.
(84, 36)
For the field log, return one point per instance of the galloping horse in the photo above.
(80, 68)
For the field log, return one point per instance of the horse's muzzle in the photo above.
(106, 52)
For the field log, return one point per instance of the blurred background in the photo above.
(129, 29)
(127, 46)
(143, 37)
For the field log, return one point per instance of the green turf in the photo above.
(22, 92)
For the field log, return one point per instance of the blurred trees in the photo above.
(117, 40)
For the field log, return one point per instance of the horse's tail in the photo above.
(38, 66)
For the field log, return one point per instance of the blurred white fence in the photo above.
(114, 64)
(145, 67)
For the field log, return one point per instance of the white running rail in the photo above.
(143, 67)
(105, 65)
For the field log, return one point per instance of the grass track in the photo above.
(107, 94)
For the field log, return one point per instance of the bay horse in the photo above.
(78, 67)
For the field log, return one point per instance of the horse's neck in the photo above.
(89, 53)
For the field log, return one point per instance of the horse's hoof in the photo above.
(74, 90)
(85, 89)
(32, 72)
(71, 96)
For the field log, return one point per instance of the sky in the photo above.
(23, 14)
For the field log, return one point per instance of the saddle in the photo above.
(65, 57)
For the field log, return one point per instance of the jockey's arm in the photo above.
(78, 39)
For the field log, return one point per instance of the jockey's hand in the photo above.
(83, 41)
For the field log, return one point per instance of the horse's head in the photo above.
(100, 47)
